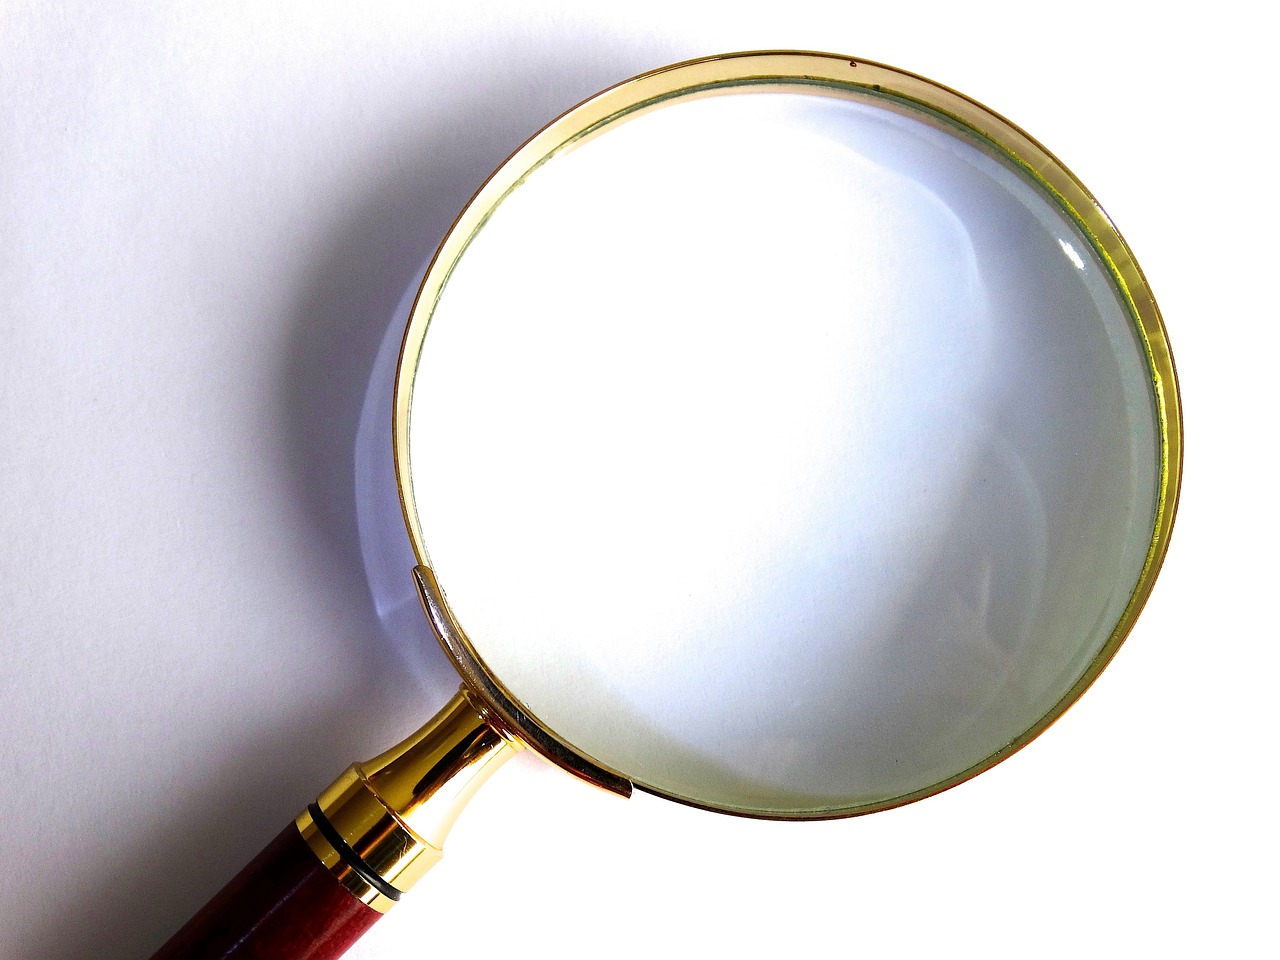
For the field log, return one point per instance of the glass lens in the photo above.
(785, 453)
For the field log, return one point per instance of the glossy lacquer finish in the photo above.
(283, 906)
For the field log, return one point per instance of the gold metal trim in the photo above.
(394, 811)
(346, 875)
(820, 74)
(478, 678)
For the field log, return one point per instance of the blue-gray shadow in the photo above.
(415, 186)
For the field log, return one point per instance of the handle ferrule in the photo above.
(382, 824)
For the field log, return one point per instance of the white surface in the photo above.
(782, 452)
(209, 212)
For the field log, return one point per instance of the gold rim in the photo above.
(836, 76)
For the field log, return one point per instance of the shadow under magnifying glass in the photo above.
(140, 892)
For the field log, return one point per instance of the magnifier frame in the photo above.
(348, 857)
(817, 74)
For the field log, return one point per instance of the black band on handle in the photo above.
(349, 856)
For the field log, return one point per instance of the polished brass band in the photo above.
(345, 873)
(480, 681)
(827, 75)
(394, 812)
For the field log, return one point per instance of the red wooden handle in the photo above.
(379, 826)
(283, 906)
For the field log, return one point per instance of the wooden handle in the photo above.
(348, 857)
(285, 905)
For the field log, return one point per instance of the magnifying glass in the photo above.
(783, 434)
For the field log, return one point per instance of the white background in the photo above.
(209, 213)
